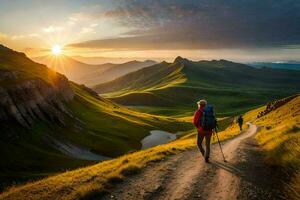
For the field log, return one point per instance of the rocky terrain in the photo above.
(25, 100)
(276, 104)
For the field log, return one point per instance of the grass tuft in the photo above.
(115, 179)
(130, 169)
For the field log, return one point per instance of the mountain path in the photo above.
(187, 176)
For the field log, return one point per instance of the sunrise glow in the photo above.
(56, 50)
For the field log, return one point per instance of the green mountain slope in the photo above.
(232, 87)
(40, 110)
(151, 78)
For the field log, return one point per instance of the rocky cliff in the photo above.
(25, 97)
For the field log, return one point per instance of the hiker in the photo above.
(240, 121)
(204, 126)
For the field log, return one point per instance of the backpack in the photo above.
(208, 120)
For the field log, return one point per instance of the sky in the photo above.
(239, 30)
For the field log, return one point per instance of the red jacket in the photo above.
(197, 117)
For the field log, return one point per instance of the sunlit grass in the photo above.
(280, 140)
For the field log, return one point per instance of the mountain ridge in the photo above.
(70, 67)
(115, 71)
(91, 74)
(216, 80)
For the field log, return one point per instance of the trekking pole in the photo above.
(220, 146)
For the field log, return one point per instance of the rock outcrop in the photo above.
(26, 96)
(276, 104)
(28, 100)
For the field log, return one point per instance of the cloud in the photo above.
(17, 37)
(94, 25)
(52, 29)
(202, 24)
(3, 36)
(33, 35)
(86, 15)
(72, 21)
(86, 30)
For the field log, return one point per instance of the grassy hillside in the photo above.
(232, 87)
(93, 123)
(11, 60)
(156, 77)
(278, 138)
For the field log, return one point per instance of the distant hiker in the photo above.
(240, 121)
(205, 122)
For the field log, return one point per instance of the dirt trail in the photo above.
(187, 176)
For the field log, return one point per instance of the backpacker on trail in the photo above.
(205, 121)
(240, 121)
(204, 118)
(208, 120)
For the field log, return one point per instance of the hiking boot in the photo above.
(202, 152)
(207, 159)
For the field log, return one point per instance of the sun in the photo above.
(56, 49)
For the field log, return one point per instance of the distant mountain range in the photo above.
(114, 71)
(70, 67)
(90, 74)
(179, 85)
(96, 60)
(294, 65)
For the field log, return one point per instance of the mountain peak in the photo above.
(4, 48)
(179, 59)
(5, 51)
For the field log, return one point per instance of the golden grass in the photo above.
(280, 139)
(92, 181)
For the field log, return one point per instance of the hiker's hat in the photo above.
(202, 102)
